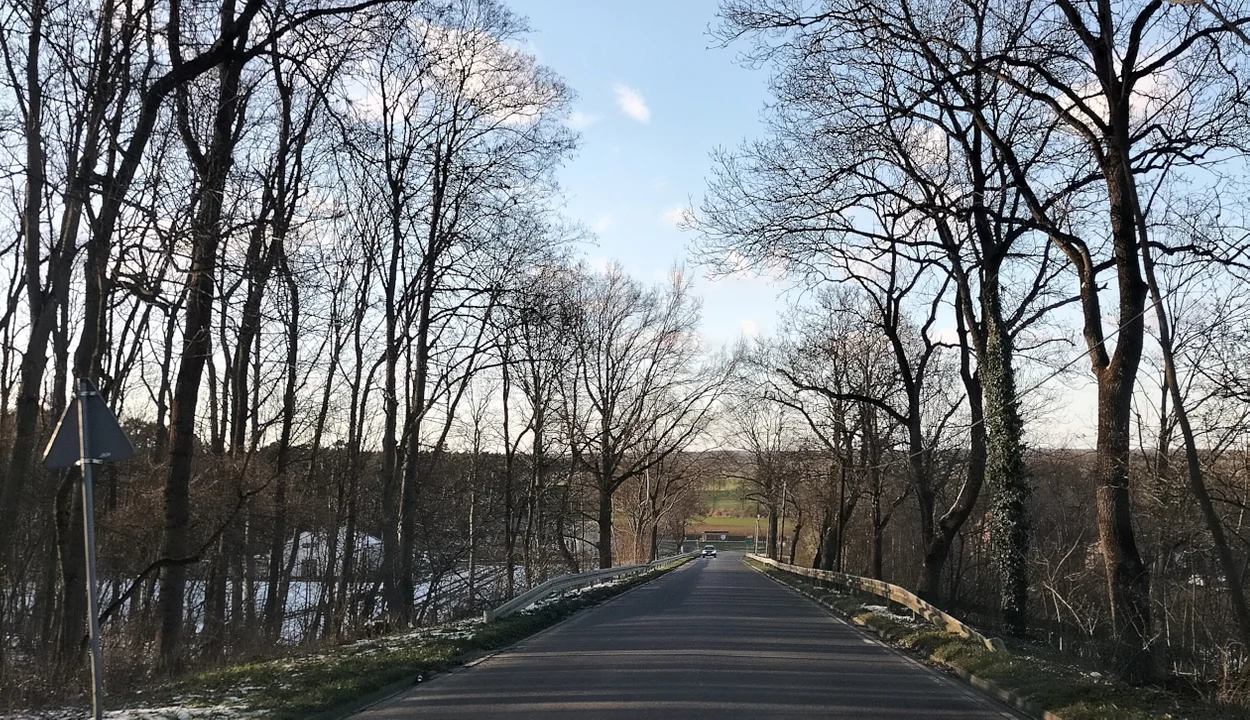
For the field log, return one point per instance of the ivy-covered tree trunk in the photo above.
(1005, 471)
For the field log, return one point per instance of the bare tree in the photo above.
(641, 390)
(537, 350)
(767, 435)
(1071, 144)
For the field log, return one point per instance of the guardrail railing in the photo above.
(893, 593)
(576, 580)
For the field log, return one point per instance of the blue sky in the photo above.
(654, 98)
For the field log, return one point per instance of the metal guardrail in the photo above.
(576, 580)
(893, 593)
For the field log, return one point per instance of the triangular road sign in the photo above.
(106, 441)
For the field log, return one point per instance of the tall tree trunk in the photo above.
(47, 599)
(239, 569)
(72, 624)
(794, 541)
(472, 589)
(878, 538)
(772, 532)
(195, 351)
(330, 577)
(1128, 577)
(534, 530)
(160, 445)
(343, 602)
(389, 478)
(325, 603)
(355, 431)
(275, 602)
(510, 510)
(653, 552)
(605, 525)
(213, 168)
(213, 642)
(274, 612)
(844, 516)
(1005, 471)
(824, 545)
(572, 559)
(942, 531)
(417, 407)
(405, 581)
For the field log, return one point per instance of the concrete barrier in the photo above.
(890, 592)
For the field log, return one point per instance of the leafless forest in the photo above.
(314, 256)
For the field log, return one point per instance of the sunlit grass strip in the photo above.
(1054, 683)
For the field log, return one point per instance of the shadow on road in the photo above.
(713, 639)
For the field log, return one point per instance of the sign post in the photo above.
(89, 435)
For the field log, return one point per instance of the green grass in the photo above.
(297, 687)
(743, 524)
(1058, 684)
(728, 500)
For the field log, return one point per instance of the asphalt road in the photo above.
(713, 639)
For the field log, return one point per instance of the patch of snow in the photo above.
(887, 612)
(180, 712)
(557, 597)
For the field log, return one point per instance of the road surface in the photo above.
(713, 639)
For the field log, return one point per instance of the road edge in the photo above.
(987, 687)
(469, 659)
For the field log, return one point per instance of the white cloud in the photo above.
(734, 267)
(1154, 95)
(502, 78)
(674, 216)
(579, 120)
(601, 224)
(749, 328)
(631, 102)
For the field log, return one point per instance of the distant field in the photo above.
(728, 501)
(737, 525)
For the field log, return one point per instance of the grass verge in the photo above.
(297, 687)
(1057, 684)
